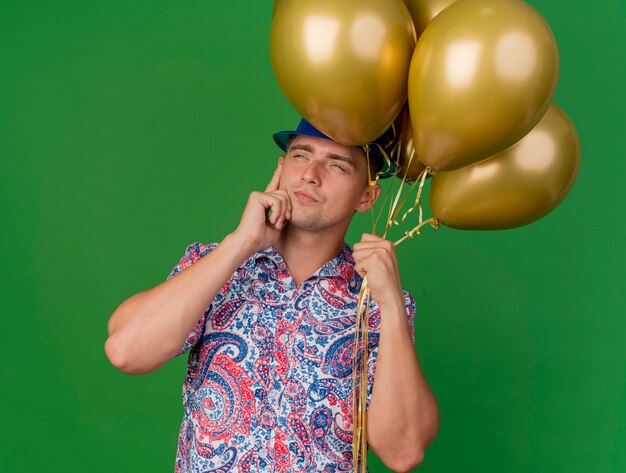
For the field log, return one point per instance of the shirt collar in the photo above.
(340, 267)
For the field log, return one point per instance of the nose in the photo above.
(311, 174)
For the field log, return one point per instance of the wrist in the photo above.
(393, 302)
(240, 248)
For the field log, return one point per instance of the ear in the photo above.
(368, 198)
(280, 160)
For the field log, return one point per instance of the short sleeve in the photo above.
(193, 253)
(373, 355)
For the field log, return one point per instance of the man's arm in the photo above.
(149, 328)
(402, 417)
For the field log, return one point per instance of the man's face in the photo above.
(326, 182)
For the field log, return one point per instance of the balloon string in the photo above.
(359, 370)
(392, 220)
(394, 152)
(410, 234)
(396, 208)
(371, 184)
(388, 159)
(384, 154)
(394, 205)
(363, 387)
(361, 333)
(418, 197)
(387, 194)
(359, 380)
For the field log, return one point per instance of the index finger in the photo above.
(370, 237)
(273, 185)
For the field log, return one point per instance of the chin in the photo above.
(311, 222)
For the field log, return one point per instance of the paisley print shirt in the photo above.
(268, 385)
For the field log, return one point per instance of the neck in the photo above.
(304, 252)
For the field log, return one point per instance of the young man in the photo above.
(269, 316)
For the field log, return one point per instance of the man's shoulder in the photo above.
(192, 253)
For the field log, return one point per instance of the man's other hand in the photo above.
(376, 258)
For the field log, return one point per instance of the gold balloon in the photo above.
(408, 164)
(482, 75)
(275, 6)
(516, 186)
(424, 11)
(343, 64)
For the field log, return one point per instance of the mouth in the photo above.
(305, 197)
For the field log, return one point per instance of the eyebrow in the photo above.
(337, 157)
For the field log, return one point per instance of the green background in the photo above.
(130, 129)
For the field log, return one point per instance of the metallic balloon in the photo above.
(482, 75)
(424, 11)
(343, 64)
(275, 6)
(516, 186)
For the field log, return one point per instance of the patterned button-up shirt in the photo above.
(268, 385)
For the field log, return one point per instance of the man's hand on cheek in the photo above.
(376, 258)
(265, 215)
